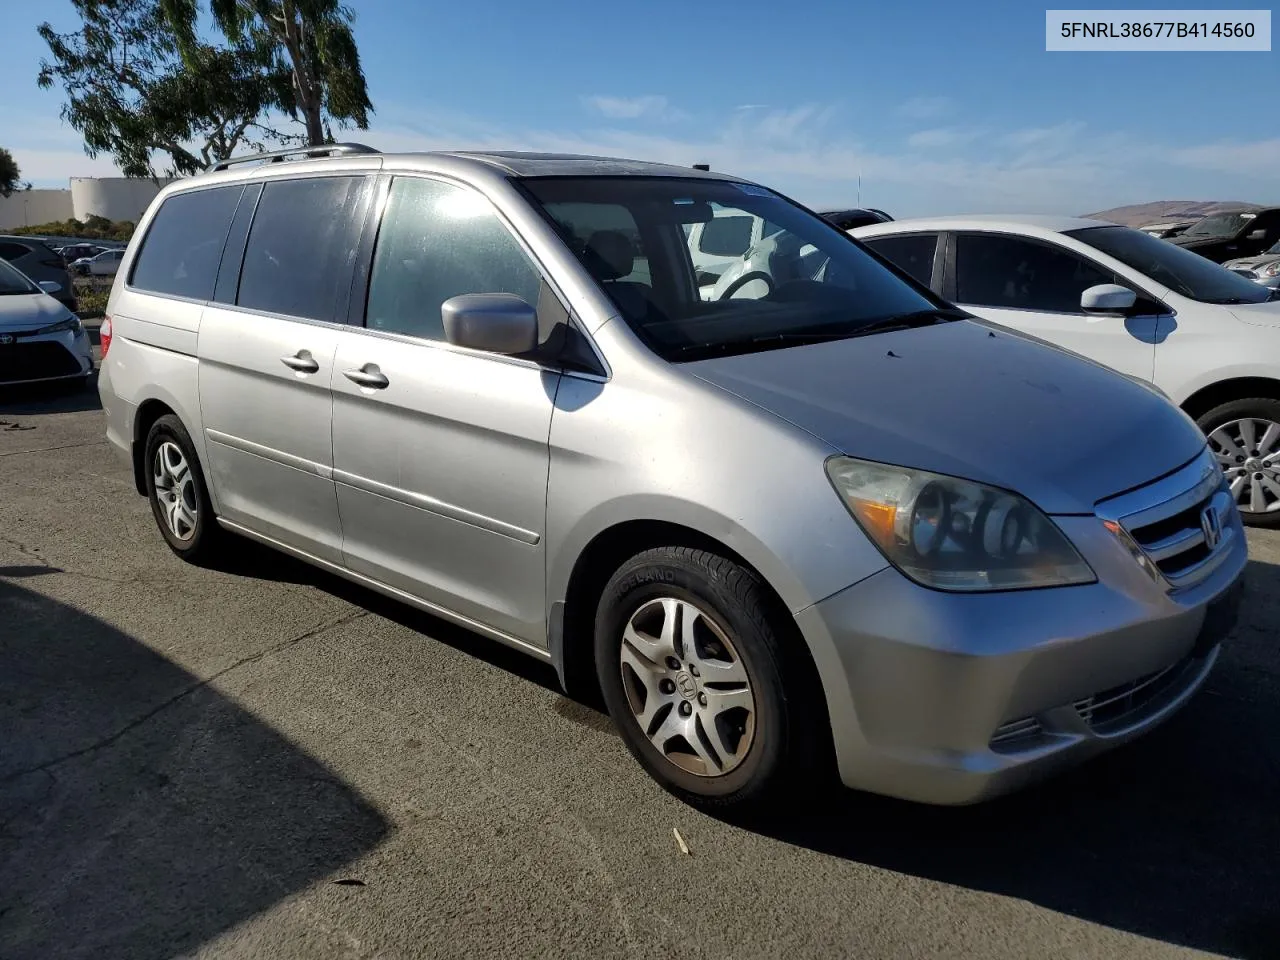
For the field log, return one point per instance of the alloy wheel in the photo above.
(175, 490)
(1249, 451)
(687, 687)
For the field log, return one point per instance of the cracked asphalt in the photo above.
(264, 761)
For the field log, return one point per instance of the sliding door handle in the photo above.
(367, 376)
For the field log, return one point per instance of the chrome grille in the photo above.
(1179, 527)
(1122, 705)
(1016, 733)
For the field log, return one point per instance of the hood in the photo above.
(1251, 262)
(1259, 314)
(29, 311)
(968, 400)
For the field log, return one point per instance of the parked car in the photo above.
(1263, 269)
(40, 339)
(77, 251)
(105, 264)
(1168, 228)
(1206, 337)
(39, 263)
(858, 217)
(1229, 236)
(841, 524)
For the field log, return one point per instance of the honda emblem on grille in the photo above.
(1211, 526)
(6, 338)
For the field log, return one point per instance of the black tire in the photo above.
(206, 540)
(790, 726)
(1256, 408)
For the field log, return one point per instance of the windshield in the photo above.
(1182, 271)
(1219, 225)
(13, 282)
(801, 281)
(1274, 248)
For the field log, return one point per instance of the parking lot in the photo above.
(266, 761)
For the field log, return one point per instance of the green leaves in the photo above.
(10, 175)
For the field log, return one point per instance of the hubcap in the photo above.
(175, 490)
(687, 687)
(1249, 452)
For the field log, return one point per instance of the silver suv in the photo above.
(823, 522)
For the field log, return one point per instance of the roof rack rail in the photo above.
(279, 156)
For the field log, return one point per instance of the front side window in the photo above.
(301, 246)
(183, 245)
(439, 241)
(913, 253)
(995, 270)
(12, 251)
(1182, 271)
(806, 281)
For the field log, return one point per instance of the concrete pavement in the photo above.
(265, 761)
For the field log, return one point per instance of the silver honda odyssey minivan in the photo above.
(823, 522)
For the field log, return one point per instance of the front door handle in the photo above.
(302, 361)
(367, 376)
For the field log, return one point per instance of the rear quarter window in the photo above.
(183, 246)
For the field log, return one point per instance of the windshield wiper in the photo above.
(909, 321)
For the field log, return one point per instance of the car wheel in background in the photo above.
(178, 495)
(1245, 437)
(711, 692)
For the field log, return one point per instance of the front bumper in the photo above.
(36, 358)
(919, 682)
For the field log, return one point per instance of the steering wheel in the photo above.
(743, 280)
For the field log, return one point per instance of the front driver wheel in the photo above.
(1245, 437)
(697, 676)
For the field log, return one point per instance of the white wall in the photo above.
(116, 198)
(28, 207)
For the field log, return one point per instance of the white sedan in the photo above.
(1206, 337)
(40, 339)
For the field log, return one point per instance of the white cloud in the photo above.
(924, 108)
(1259, 159)
(650, 107)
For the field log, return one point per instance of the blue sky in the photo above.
(942, 107)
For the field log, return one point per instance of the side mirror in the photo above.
(1259, 234)
(493, 322)
(50, 286)
(1108, 298)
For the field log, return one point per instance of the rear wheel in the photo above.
(1245, 437)
(704, 682)
(179, 498)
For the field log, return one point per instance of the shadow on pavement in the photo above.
(251, 559)
(141, 813)
(1174, 837)
(55, 397)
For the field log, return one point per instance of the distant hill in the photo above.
(1140, 214)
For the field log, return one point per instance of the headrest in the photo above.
(610, 255)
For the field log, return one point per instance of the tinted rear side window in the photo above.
(183, 245)
(913, 254)
(301, 246)
(12, 251)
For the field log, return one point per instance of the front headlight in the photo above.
(71, 323)
(953, 534)
(1271, 269)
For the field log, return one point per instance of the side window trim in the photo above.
(1050, 245)
(227, 283)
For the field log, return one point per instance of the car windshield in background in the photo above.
(1182, 271)
(13, 282)
(1222, 225)
(803, 281)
